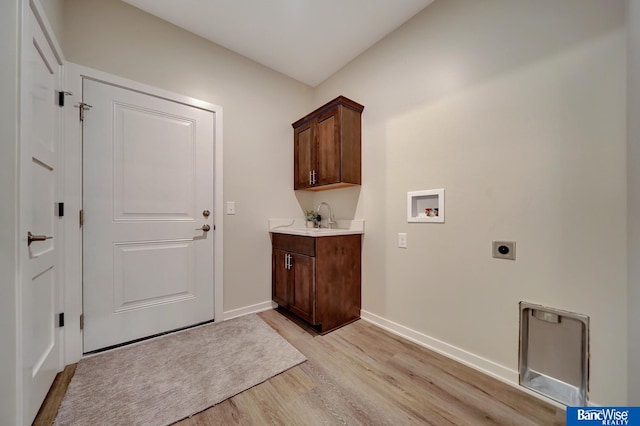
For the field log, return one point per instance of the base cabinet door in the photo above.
(280, 278)
(302, 301)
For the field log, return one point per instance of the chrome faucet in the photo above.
(330, 221)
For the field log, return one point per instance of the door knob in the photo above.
(31, 238)
(206, 213)
(205, 228)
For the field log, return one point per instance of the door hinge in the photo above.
(61, 319)
(81, 218)
(82, 106)
(61, 95)
(81, 321)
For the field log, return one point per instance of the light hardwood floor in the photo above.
(362, 375)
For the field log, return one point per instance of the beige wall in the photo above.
(259, 106)
(517, 109)
(8, 188)
(633, 191)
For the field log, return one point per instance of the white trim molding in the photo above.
(252, 309)
(10, 80)
(73, 196)
(488, 367)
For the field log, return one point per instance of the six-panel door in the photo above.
(39, 193)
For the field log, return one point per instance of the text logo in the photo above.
(603, 416)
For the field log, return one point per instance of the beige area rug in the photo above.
(162, 381)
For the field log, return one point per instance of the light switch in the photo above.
(402, 240)
(231, 207)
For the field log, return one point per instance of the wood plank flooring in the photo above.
(47, 413)
(362, 375)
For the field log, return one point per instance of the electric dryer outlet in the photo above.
(504, 250)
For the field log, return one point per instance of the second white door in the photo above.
(40, 244)
(148, 233)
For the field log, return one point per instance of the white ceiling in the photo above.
(307, 40)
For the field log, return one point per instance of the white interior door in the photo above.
(147, 193)
(40, 121)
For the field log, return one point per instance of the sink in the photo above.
(298, 227)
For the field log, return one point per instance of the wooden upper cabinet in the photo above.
(327, 146)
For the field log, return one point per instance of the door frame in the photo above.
(72, 170)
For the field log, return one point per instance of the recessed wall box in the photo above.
(425, 206)
(554, 353)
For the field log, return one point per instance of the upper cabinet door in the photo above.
(305, 158)
(327, 146)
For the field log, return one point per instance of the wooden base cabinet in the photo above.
(318, 279)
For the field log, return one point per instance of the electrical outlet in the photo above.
(504, 250)
(402, 240)
(231, 207)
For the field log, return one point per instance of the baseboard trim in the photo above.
(497, 371)
(252, 309)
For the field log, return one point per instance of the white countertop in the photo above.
(299, 227)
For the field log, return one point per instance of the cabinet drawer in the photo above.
(294, 243)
